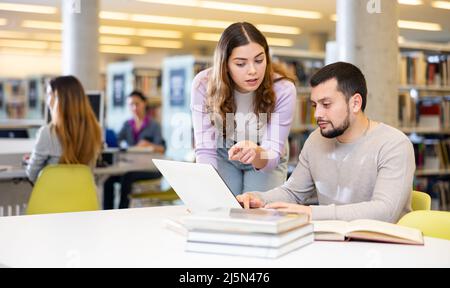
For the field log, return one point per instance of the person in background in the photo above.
(249, 149)
(139, 131)
(73, 136)
(355, 167)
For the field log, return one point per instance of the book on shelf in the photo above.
(424, 69)
(366, 230)
(244, 220)
(437, 188)
(252, 251)
(250, 239)
(407, 110)
(430, 113)
(432, 154)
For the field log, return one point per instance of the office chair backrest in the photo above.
(63, 188)
(432, 223)
(420, 201)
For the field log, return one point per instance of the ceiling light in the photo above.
(115, 30)
(333, 17)
(162, 19)
(134, 50)
(410, 2)
(162, 44)
(206, 36)
(13, 34)
(42, 25)
(105, 40)
(26, 8)
(296, 13)
(23, 52)
(212, 24)
(279, 29)
(227, 6)
(441, 4)
(188, 3)
(23, 44)
(159, 33)
(47, 36)
(54, 46)
(3, 21)
(419, 25)
(280, 42)
(108, 15)
(233, 7)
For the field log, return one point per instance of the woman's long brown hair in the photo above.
(74, 122)
(220, 99)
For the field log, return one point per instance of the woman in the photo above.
(73, 136)
(242, 112)
(140, 131)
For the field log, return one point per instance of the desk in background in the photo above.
(138, 238)
(15, 190)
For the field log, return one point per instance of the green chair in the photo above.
(63, 188)
(420, 201)
(432, 223)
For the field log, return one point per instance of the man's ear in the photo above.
(356, 103)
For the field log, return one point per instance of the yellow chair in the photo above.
(63, 188)
(432, 223)
(420, 201)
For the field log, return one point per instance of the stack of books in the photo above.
(257, 233)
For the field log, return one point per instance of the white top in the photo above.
(138, 238)
(246, 120)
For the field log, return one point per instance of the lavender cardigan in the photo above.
(277, 130)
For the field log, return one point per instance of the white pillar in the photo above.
(367, 36)
(80, 41)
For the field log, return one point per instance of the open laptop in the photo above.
(199, 186)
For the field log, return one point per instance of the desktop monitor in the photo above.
(97, 101)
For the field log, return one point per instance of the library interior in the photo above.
(149, 195)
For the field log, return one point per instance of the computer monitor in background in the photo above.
(97, 101)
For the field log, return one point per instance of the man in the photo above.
(355, 167)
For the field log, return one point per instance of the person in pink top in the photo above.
(242, 111)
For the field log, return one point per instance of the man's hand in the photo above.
(250, 200)
(244, 152)
(290, 208)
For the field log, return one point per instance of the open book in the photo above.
(368, 230)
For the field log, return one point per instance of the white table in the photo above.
(15, 190)
(21, 123)
(138, 238)
(16, 146)
(128, 162)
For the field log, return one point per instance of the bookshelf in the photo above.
(22, 103)
(302, 64)
(424, 115)
(178, 73)
(121, 79)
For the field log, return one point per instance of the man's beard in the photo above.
(338, 131)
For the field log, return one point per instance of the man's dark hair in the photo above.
(349, 77)
(139, 94)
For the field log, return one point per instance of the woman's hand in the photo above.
(250, 200)
(290, 208)
(245, 152)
